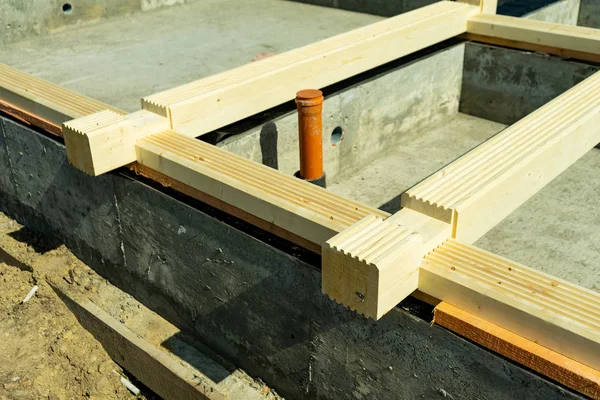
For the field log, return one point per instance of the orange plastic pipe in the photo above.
(310, 127)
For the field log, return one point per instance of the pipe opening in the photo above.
(337, 136)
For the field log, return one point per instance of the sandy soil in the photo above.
(44, 352)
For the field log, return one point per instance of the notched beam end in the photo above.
(416, 199)
(105, 140)
(372, 266)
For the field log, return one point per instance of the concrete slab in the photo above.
(381, 183)
(556, 231)
(119, 61)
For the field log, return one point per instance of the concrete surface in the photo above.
(589, 14)
(386, 109)
(384, 8)
(413, 159)
(505, 85)
(121, 60)
(259, 307)
(20, 19)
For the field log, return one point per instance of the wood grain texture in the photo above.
(478, 190)
(573, 38)
(556, 51)
(546, 362)
(47, 101)
(299, 207)
(546, 310)
(151, 366)
(207, 104)
(373, 265)
(105, 140)
(30, 118)
(223, 206)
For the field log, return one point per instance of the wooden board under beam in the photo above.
(540, 359)
(567, 37)
(478, 190)
(151, 366)
(299, 207)
(207, 104)
(546, 310)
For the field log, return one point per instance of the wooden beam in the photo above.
(565, 37)
(48, 102)
(478, 190)
(542, 360)
(555, 51)
(296, 206)
(151, 366)
(374, 264)
(105, 140)
(207, 104)
(225, 207)
(546, 310)
(30, 118)
(489, 6)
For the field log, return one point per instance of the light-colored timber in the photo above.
(540, 359)
(536, 48)
(540, 33)
(297, 206)
(210, 103)
(546, 310)
(484, 186)
(167, 181)
(478, 190)
(374, 264)
(151, 366)
(49, 102)
(105, 140)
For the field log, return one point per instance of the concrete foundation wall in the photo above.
(589, 14)
(504, 85)
(384, 8)
(557, 11)
(23, 18)
(375, 116)
(260, 307)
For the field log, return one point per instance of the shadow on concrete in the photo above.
(268, 145)
(518, 8)
(40, 243)
(391, 206)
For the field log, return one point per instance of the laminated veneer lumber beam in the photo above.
(564, 38)
(299, 207)
(540, 359)
(50, 103)
(478, 190)
(210, 103)
(546, 310)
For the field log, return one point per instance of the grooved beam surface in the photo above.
(478, 190)
(549, 311)
(366, 264)
(295, 205)
(46, 100)
(213, 102)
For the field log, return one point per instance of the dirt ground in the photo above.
(44, 352)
